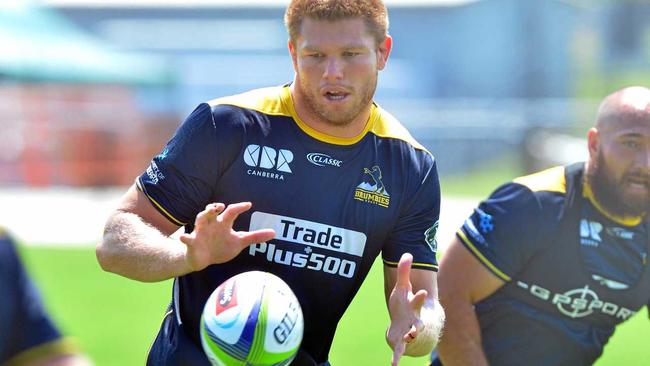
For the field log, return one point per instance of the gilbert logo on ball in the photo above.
(252, 319)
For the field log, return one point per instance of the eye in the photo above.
(631, 144)
(351, 53)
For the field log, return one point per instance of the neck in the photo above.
(310, 118)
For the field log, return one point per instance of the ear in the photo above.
(593, 143)
(383, 51)
(294, 54)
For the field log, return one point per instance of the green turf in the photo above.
(481, 182)
(112, 318)
(115, 319)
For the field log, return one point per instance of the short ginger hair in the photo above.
(373, 12)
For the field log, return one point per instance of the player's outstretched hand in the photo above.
(214, 241)
(404, 309)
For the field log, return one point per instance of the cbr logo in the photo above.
(268, 158)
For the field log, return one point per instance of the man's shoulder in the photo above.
(270, 101)
(549, 180)
(387, 126)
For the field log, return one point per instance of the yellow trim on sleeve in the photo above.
(57, 347)
(482, 258)
(414, 264)
(623, 220)
(166, 213)
(550, 180)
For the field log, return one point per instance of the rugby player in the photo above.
(546, 267)
(310, 181)
(27, 334)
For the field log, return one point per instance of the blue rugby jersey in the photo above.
(26, 331)
(335, 203)
(572, 271)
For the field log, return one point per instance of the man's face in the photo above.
(337, 64)
(620, 178)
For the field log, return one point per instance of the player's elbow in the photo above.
(106, 249)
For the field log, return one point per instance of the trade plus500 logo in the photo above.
(265, 157)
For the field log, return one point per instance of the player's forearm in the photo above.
(461, 340)
(433, 317)
(136, 250)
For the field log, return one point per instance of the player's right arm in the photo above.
(137, 243)
(463, 281)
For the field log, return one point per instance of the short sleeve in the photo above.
(180, 180)
(26, 326)
(415, 232)
(502, 232)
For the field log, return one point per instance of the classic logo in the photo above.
(374, 192)
(430, 237)
(619, 232)
(323, 159)
(578, 303)
(268, 158)
(590, 233)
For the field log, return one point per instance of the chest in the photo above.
(593, 267)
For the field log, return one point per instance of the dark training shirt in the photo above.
(335, 203)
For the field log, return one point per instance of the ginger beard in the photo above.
(338, 114)
(614, 193)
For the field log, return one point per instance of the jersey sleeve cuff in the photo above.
(481, 258)
(157, 205)
(427, 266)
(57, 347)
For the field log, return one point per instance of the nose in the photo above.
(333, 69)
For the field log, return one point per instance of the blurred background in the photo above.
(91, 90)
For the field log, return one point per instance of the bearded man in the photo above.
(546, 267)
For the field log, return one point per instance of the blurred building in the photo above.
(470, 78)
(69, 110)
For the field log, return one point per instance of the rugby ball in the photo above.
(253, 319)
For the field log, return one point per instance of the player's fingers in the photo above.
(404, 271)
(186, 239)
(410, 335)
(257, 236)
(209, 213)
(398, 351)
(233, 210)
(418, 299)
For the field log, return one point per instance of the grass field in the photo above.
(115, 319)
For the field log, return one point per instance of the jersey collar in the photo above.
(285, 96)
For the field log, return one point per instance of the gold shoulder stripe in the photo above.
(550, 180)
(386, 125)
(162, 209)
(482, 258)
(62, 346)
(265, 100)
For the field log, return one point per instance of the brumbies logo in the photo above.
(374, 193)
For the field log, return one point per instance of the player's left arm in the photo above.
(416, 317)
